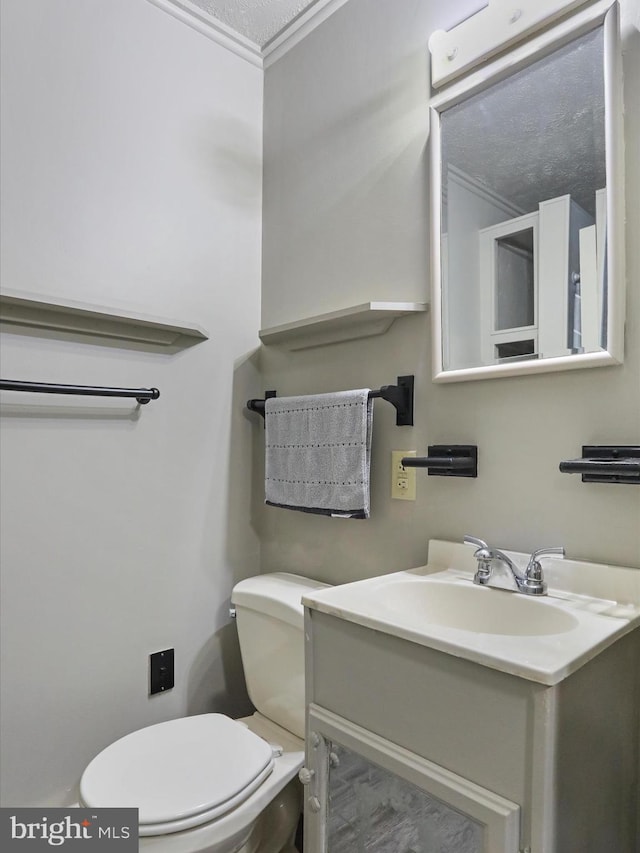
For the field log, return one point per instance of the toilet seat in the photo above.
(179, 774)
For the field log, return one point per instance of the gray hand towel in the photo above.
(318, 453)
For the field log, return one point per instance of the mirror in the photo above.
(528, 210)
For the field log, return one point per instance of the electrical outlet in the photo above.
(403, 480)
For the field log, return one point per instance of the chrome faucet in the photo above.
(530, 583)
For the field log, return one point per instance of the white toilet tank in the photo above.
(270, 620)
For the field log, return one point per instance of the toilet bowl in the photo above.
(211, 784)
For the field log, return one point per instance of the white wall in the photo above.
(131, 154)
(345, 221)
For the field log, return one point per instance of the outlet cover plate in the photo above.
(403, 480)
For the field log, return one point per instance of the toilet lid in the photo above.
(187, 771)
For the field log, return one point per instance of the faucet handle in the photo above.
(479, 543)
(542, 552)
(533, 579)
(483, 556)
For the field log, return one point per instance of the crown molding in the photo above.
(217, 31)
(298, 29)
(212, 28)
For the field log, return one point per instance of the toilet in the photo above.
(211, 784)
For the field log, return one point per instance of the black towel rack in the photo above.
(400, 396)
(142, 395)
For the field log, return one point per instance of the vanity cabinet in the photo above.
(413, 750)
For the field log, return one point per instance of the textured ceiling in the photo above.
(538, 134)
(258, 20)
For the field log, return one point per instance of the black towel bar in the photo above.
(142, 395)
(400, 396)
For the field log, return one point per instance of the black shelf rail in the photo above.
(400, 396)
(142, 395)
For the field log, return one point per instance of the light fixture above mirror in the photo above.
(527, 195)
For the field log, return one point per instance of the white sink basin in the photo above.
(541, 638)
(473, 608)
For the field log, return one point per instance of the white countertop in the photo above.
(588, 607)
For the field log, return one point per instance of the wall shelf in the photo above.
(359, 321)
(64, 315)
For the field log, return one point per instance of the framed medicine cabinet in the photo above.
(527, 191)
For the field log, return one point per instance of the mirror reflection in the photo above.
(524, 232)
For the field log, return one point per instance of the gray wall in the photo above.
(346, 221)
(131, 154)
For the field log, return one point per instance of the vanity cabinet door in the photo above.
(367, 794)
